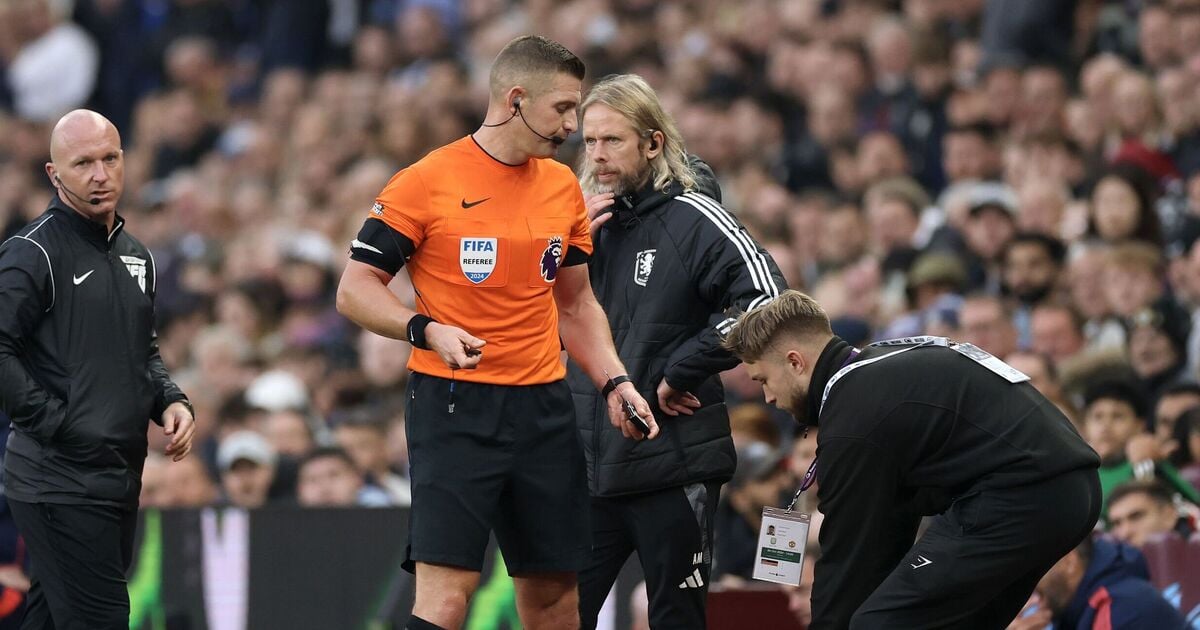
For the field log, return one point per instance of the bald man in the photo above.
(81, 378)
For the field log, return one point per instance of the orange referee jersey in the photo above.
(489, 240)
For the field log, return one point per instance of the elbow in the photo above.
(342, 301)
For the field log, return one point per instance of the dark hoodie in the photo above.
(1116, 593)
(900, 439)
(671, 269)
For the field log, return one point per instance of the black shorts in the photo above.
(508, 460)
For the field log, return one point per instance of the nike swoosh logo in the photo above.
(79, 279)
(357, 244)
(922, 561)
(471, 204)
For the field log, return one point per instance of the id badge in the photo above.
(781, 540)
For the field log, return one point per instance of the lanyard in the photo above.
(849, 366)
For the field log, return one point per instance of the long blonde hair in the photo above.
(633, 98)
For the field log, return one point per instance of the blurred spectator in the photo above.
(1031, 267)
(761, 479)
(1174, 400)
(934, 287)
(189, 484)
(329, 478)
(1139, 510)
(1056, 331)
(989, 227)
(1158, 345)
(1114, 426)
(363, 435)
(969, 153)
(987, 323)
(289, 433)
(247, 464)
(1133, 278)
(893, 209)
(1121, 207)
(156, 493)
(52, 62)
(1103, 584)
(751, 422)
(1041, 203)
(800, 596)
(1044, 377)
(1186, 446)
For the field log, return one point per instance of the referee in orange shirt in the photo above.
(495, 238)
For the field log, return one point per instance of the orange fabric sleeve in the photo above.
(404, 205)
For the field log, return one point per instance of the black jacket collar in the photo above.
(91, 231)
(832, 358)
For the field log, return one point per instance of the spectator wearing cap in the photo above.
(1114, 419)
(247, 464)
(328, 478)
(989, 227)
(761, 479)
(934, 289)
(1157, 345)
(1032, 264)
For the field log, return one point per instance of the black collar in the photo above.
(628, 207)
(832, 358)
(96, 233)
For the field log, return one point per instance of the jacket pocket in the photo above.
(51, 427)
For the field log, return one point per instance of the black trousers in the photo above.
(977, 564)
(78, 558)
(671, 530)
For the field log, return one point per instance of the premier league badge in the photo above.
(551, 257)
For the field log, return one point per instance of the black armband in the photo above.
(575, 256)
(416, 330)
(381, 246)
(613, 382)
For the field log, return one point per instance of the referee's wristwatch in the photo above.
(613, 382)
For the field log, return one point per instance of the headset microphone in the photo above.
(95, 201)
(554, 139)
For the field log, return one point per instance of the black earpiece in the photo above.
(517, 102)
(653, 144)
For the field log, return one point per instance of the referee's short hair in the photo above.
(792, 314)
(531, 60)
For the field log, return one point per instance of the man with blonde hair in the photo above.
(915, 427)
(669, 265)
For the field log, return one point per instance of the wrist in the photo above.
(417, 325)
(613, 382)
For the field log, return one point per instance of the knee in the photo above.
(441, 605)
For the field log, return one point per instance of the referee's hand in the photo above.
(458, 349)
(616, 412)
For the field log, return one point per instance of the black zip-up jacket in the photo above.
(901, 438)
(80, 373)
(671, 269)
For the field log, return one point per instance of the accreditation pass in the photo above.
(781, 540)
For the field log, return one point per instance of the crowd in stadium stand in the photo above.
(1019, 174)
